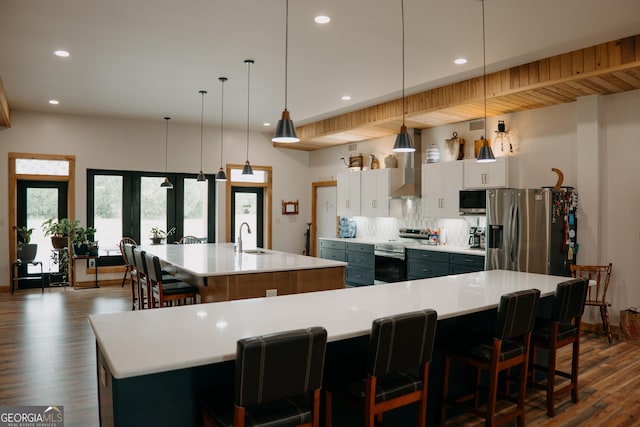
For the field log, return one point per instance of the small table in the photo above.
(73, 269)
(15, 273)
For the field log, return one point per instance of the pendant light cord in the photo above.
(222, 80)
(202, 92)
(484, 70)
(248, 62)
(166, 144)
(286, 53)
(402, 13)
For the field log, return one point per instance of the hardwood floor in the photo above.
(47, 356)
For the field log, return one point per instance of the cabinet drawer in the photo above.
(359, 247)
(332, 244)
(361, 259)
(420, 255)
(468, 260)
(359, 275)
(461, 268)
(334, 254)
(426, 269)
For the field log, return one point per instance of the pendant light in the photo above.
(221, 176)
(247, 169)
(486, 154)
(286, 130)
(166, 183)
(201, 175)
(403, 142)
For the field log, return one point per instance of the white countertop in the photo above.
(414, 244)
(150, 341)
(219, 259)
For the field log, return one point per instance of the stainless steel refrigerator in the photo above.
(532, 230)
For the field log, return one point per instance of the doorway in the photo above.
(324, 213)
(247, 205)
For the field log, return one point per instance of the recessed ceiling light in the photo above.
(266, 124)
(322, 19)
(54, 102)
(346, 98)
(61, 53)
(460, 61)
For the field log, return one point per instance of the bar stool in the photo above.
(189, 240)
(397, 374)
(127, 262)
(277, 382)
(127, 251)
(563, 328)
(163, 292)
(508, 348)
(597, 297)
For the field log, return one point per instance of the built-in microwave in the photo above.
(473, 202)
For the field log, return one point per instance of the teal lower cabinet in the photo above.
(461, 263)
(423, 264)
(331, 249)
(361, 268)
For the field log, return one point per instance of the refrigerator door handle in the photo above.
(514, 234)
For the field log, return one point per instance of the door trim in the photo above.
(314, 195)
(13, 189)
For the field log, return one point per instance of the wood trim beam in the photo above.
(5, 115)
(606, 68)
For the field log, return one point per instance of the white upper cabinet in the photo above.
(486, 175)
(377, 185)
(441, 184)
(349, 194)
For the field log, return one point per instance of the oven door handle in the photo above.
(388, 255)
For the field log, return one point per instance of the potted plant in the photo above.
(80, 239)
(157, 235)
(60, 231)
(26, 250)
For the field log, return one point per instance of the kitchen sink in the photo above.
(255, 251)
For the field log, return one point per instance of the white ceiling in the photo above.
(146, 59)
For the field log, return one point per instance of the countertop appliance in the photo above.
(476, 237)
(532, 230)
(390, 262)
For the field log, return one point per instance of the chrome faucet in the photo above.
(239, 239)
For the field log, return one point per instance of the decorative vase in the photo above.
(59, 242)
(27, 252)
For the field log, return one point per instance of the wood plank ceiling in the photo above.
(603, 69)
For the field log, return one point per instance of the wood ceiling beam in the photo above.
(606, 68)
(5, 117)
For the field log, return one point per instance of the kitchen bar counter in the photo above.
(181, 352)
(222, 274)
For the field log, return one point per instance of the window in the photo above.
(128, 203)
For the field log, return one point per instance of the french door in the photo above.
(37, 201)
(247, 205)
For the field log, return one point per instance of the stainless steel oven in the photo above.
(391, 265)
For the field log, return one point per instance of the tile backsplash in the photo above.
(407, 214)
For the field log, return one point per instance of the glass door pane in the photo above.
(247, 205)
(42, 204)
(195, 208)
(153, 207)
(107, 208)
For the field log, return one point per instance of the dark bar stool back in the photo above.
(399, 355)
(165, 293)
(563, 328)
(127, 261)
(508, 348)
(277, 381)
(141, 278)
(127, 255)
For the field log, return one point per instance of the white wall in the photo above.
(105, 143)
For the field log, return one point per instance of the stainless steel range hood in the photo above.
(412, 187)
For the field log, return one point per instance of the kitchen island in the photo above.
(180, 352)
(221, 274)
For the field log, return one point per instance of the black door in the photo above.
(247, 205)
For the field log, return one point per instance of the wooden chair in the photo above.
(597, 295)
(139, 268)
(277, 382)
(397, 374)
(508, 348)
(562, 329)
(127, 250)
(158, 290)
(189, 240)
(127, 262)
